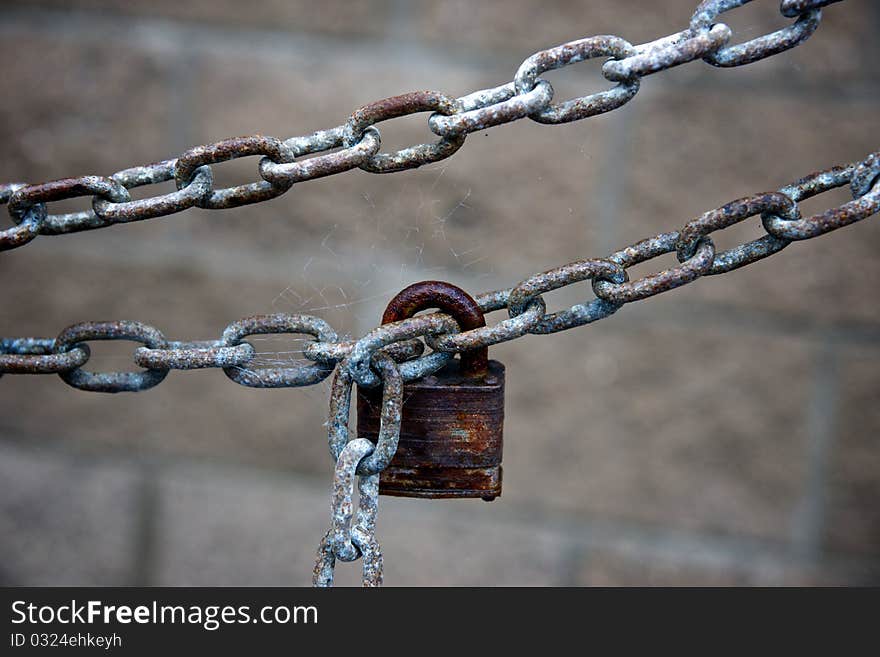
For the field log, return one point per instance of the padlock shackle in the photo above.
(451, 300)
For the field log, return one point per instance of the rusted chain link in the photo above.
(344, 541)
(371, 359)
(358, 457)
(794, 8)
(356, 144)
(389, 425)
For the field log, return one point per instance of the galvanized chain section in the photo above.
(343, 541)
(358, 457)
(363, 360)
(356, 144)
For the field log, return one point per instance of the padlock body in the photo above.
(451, 434)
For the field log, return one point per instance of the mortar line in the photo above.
(808, 527)
(184, 73)
(587, 531)
(165, 34)
(727, 317)
(146, 531)
(221, 263)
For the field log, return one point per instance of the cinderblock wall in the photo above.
(723, 433)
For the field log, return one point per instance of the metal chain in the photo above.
(370, 360)
(356, 144)
(342, 541)
(394, 353)
(358, 457)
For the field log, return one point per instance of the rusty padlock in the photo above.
(452, 423)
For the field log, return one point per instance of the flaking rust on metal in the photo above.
(402, 339)
(569, 53)
(824, 222)
(333, 352)
(38, 356)
(497, 113)
(198, 187)
(707, 12)
(111, 382)
(487, 336)
(553, 279)
(864, 181)
(451, 435)
(663, 281)
(394, 107)
(451, 423)
(451, 299)
(728, 215)
(865, 175)
(195, 355)
(453, 119)
(359, 361)
(288, 173)
(344, 541)
(274, 324)
(794, 8)
(25, 199)
(230, 149)
(388, 430)
(523, 298)
(651, 58)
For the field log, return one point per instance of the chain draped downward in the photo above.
(358, 457)
(366, 360)
(356, 144)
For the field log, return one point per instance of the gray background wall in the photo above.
(724, 433)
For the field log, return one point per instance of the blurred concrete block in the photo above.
(81, 107)
(854, 478)
(688, 412)
(607, 568)
(230, 527)
(221, 528)
(65, 521)
(731, 153)
(842, 46)
(352, 17)
(660, 424)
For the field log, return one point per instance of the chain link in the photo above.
(393, 353)
(278, 324)
(794, 8)
(358, 457)
(73, 336)
(761, 47)
(569, 53)
(199, 186)
(864, 204)
(344, 541)
(37, 356)
(668, 279)
(389, 425)
(356, 144)
(668, 52)
(394, 107)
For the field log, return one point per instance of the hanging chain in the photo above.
(359, 458)
(357, 143)
(343, 541)
(401, 341)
